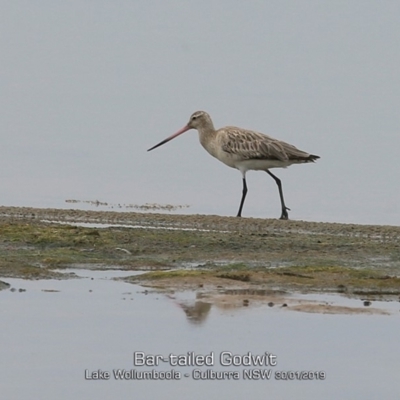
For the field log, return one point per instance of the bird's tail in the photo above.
(312, 158)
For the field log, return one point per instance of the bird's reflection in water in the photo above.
(196, 312)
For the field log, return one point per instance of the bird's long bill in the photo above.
(183, 130)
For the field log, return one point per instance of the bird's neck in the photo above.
(206, 136)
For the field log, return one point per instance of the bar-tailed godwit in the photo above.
(244, 150)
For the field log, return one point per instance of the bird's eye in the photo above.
(195, 117)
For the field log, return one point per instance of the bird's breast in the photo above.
(229, 159)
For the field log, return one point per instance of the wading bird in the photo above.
(244, 150)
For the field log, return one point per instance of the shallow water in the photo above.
(57, 329)
(106, 225)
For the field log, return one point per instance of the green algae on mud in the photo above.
(295, 254)
(304, 278)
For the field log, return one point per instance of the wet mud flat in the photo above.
(216, 254)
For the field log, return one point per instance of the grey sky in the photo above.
(88, 86)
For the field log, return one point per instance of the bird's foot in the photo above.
(285, 214)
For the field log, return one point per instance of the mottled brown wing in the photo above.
(254, 145)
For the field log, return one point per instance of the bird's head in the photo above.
(199, 120)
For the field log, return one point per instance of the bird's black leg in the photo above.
(244, 192)
(284, 214)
